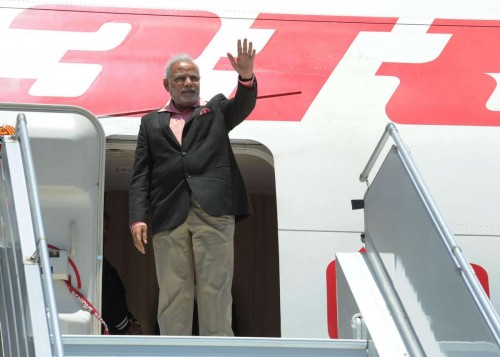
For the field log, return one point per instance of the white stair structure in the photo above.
(411, 294)
(417, 293)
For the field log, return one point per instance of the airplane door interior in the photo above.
(256, 295)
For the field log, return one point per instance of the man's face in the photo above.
(183, 84)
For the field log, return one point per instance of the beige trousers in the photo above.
(201, 252)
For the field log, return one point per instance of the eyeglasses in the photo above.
(182, 79)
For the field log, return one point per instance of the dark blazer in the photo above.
(166, 173)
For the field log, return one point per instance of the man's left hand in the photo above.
(243, 64)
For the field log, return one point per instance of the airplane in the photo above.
(331, 76)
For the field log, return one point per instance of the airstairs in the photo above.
(412, 293)
(415, 290)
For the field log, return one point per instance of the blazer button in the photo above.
(184, 154)
(188, 176)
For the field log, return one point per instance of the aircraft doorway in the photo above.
(256, 292)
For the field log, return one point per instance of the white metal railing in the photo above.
(21, 135)
(490, 315)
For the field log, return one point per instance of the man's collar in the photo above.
(170, 106)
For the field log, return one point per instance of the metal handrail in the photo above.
(492, 318)
(21, 134)
(376, 153)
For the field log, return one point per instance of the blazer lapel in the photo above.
(190, 122)
(164, 122)
(196, 112)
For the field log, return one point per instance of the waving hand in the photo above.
(243, 63)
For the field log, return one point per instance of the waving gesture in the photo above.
(243, 64)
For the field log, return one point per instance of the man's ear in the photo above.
(165, 84)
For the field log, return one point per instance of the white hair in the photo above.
(182, 57)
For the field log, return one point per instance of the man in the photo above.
(187, 180)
